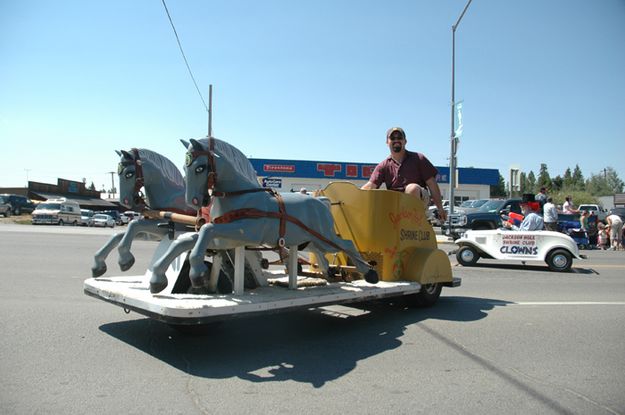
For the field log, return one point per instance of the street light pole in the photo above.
(454, 139)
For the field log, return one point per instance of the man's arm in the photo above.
(435, 192)
(369, 186)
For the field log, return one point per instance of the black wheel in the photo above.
(427, 297)
(61, 222)
(467, 256)
(74, 223)
(560, 260)
(7, 214)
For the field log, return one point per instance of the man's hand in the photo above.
(442, 214)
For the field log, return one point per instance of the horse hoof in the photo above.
(125, 266)
(372, 277)
(97, 272)
(157, 287)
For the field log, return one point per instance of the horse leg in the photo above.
(322, 262)
(184, 243)
(208, 234)
(347, 246)
(99, 265)
(126, 258)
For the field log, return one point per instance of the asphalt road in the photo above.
(511, 339)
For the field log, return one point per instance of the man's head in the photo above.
(543, 190)
(550, 200)
(529, 207)
(396, 139)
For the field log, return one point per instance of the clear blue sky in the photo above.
(541, 81)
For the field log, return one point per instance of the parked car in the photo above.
(619, 211)
(19, 204)
(103, 221)
(487, 217)
(129, 216)
(85, 217)
(117, 217)
(597, 210)
(57, 212)
(5, 207)
(473, 205)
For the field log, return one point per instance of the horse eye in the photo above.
(129, 174)
(200, 169)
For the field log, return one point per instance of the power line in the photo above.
(183, 55)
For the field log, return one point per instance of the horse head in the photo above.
(199, 169)
(130, 174)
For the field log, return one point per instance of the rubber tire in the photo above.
(555, 258)
(61, 223)
(427, 297)
(467, 251)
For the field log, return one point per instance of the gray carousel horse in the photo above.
(164, 190)
(245, 214)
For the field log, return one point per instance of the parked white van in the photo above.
(57, 212)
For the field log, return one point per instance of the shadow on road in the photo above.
(531, 266)
(311, 346)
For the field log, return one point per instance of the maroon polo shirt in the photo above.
(415, 168)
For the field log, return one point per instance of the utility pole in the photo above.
(210, 110)
(112, 173)
(454, 139)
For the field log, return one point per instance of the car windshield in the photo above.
(2, 200)
(467, 203)
(492, 206)
(50, 206)
(479, 203)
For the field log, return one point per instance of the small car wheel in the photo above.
(467, 256)
(427, 297)
(560, 260)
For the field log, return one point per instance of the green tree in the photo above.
(92, 186)
(614, 182)
(544, 180)
(567, 181)
(499, 190)
(556, 184)
(597, 185)
(531, 183)
(578, 179)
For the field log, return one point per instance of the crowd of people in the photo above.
(610, 235)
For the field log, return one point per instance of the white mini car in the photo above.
(555, 248)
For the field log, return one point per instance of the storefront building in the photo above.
(294, 175)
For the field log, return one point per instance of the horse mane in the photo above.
(164, 165)
(237, 159)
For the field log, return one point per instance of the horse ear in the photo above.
(127, 155)
(119, 153)
(196, 145)
(185, 143)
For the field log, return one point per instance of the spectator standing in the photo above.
(602, 237)
(550, 215)
(615, 226)
(541, 197)
(583, 220)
